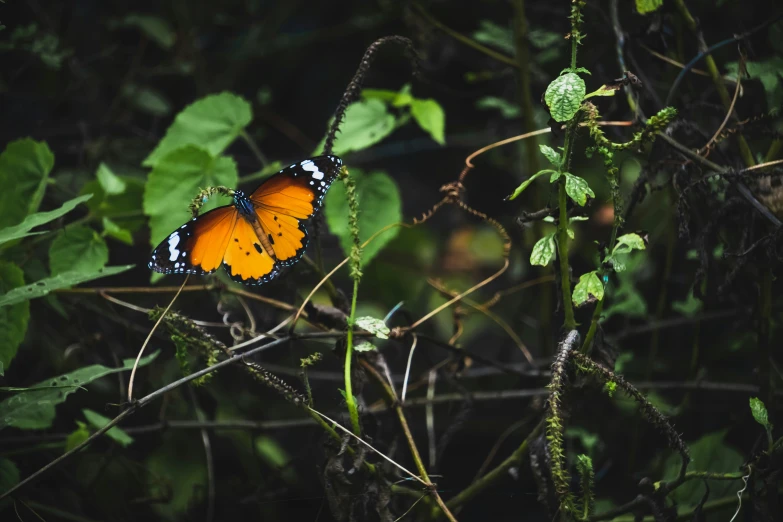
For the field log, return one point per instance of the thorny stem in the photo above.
(356, 274)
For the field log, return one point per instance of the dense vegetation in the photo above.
(543, 286)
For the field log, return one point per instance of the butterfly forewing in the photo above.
(287, 201)
(197, 247)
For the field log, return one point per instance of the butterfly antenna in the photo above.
(354, 88)
(147, 340)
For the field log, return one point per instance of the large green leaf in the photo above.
(211, 123)
(78, 249)
(38, 219)
(13, 319)
(431, 118)
(64, 280)
(379, 205)
(24, 168)
(176, 180)
(709, 453)
(366, 123)
(578, 189)
(564, 96)
(33, 409)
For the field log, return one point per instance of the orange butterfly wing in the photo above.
(243, 235)
(198, 246)
(287, 202)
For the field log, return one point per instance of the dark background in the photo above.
(292, 60)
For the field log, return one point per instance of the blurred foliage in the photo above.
(117, 115)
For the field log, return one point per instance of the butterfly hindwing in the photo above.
(245, 259)
(287, 201)
(198, 246)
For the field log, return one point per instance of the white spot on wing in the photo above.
(173, 242)
(311, 167)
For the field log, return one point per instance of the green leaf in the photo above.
(13, 319)
(24, 169)
(210, 123)
(564, 96)
(627, 243)
(768, 73)
(374, 326)
(506, 108)
(176, 474)
(578, 189)
(759, 412)
(710, 453)
(38, 219)
(111, 183)
(431, 118)
(9, 477)
(379, 205)
(648, 6)
(78, 249)
(154, 27)
(554, 177)
(543, 251)
(125, 208)
(494, 35)
(366, 123)
(527, 183)
(110, 228)
(404, 98)
(552, 155)
(77, 436)
(275, 456)
(365, 347)
(175, 180)
(146, 99)
(688, 307)
(116, 434)
(384, 95)
(34, 409)
(589, 285)
(64, 280)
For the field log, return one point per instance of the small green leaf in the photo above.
(527, 182)
(210, 123)
(543, 251)
(78, 249)
(64, 280)
(155, 27)
(507, 109)
(116, 434)
(366, 123)
(627, 243)
(404, 98)
(110, 182)
(365, 347)
(578, 189)
(38, 219)
(431, 118)
(564, 96)
(13, 319)
(110, 228)
(380, 205)
(648, 6)
(554, 177)
(175, 180)
(77, 436)
(24, 169)
(9, 477)
(552, 155)
(759, 412)
(146, 99)
(374, 326)
(589, 285)
(688, 307)
(34, 408)
(385, 95)
(601, 91)
(497, 36)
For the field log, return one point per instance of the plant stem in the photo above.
(569, 322)
(593, 327)
(521, 33)
(353, 409)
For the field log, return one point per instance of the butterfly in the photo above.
(257, 236)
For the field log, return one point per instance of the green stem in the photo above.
(521, 45)
(353, 409)
(593, 327)
(569, 323)
(254, 148)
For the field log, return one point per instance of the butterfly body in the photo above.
(258, 235)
